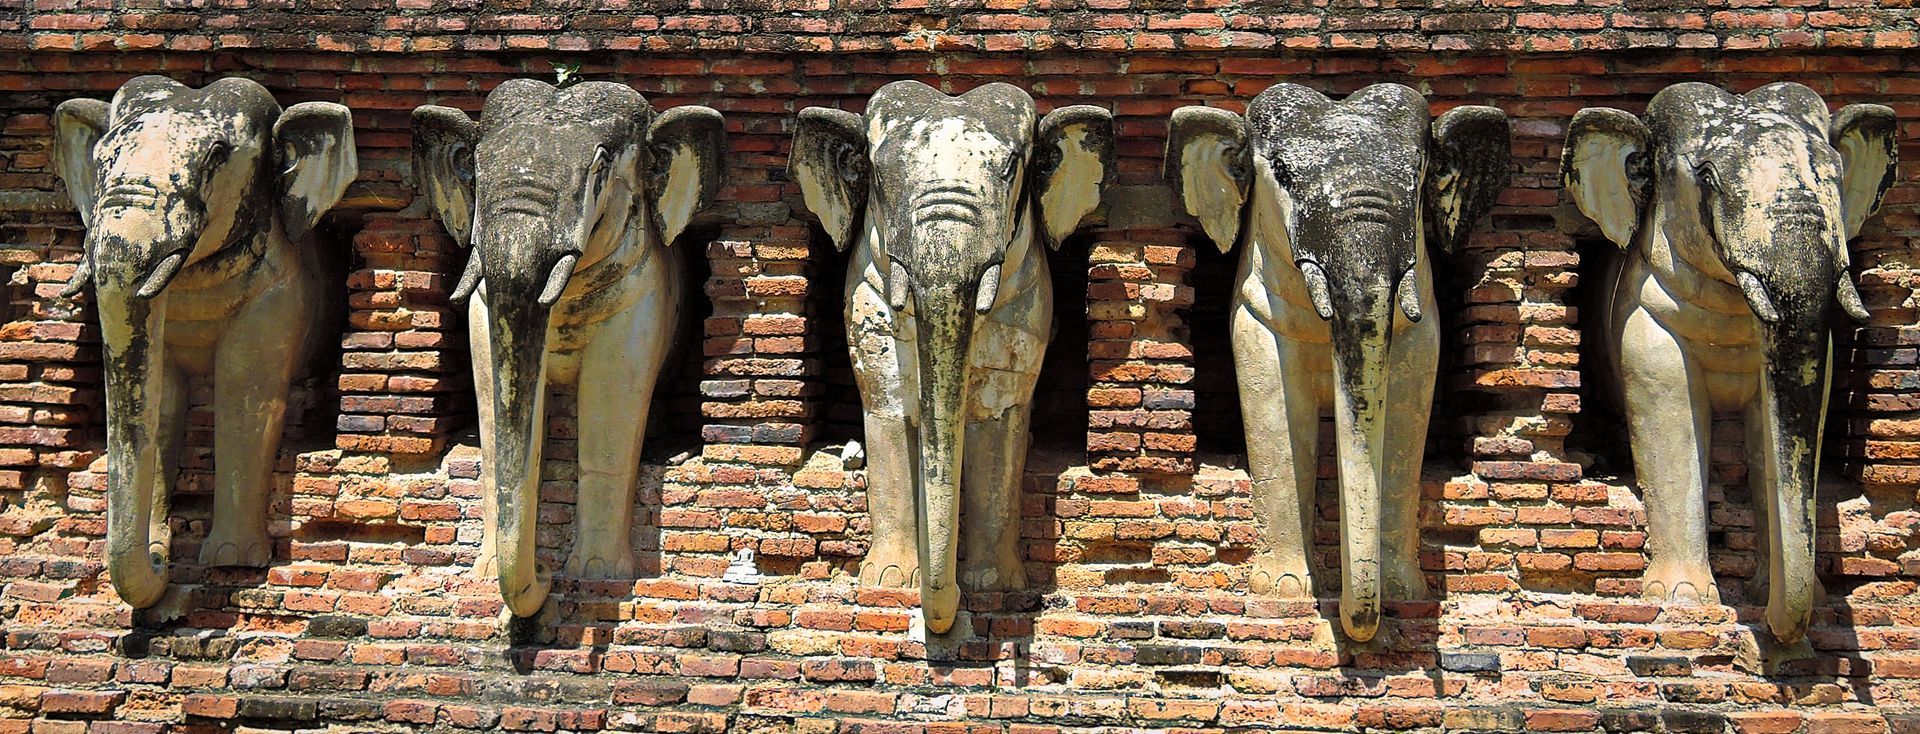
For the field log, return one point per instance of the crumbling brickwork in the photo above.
(1137, 540)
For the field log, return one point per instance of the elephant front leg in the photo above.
(893, 558)
(618, 371)
(1668, 419)
(1758, 473)
(1282, 418)
(996, 459)
(252, 373)
(172, 439)
(1410, 378)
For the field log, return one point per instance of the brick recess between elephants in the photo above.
(1137, 521)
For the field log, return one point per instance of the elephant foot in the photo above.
(1002, 575)
(1405, 581)
(581, 565)
(890, 568)
(236, 549)
(1756, 586)
(1274, 578)
(1677, 585)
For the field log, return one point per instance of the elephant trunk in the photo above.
(132, 330)
(518, 331)
(141, 240)
(1362, 330)
(1792, 406)
(945, 331)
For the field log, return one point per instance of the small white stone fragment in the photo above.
(742, 570)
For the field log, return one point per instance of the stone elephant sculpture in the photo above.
(949, 308)
(1734, 212)
(569, 198)
(198, 205)
(1333, 205)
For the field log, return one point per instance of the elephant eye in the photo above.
(218, 153)
(600, 156)
(1703, 172)
(1282, 175)
(1013, 163)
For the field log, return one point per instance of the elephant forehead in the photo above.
(532, 100)
(553, 127)
(232, 95)
(1334, 161)
(1339, 137)
(1766, 154)
(1286, 109)
(1759, 149)
(169, 139)
(1346, 135)
(914, 111)
(1740, 125)
(525, 149)
(938, 148)
(1687, 117)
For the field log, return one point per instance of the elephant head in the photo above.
(547, 184)
(1348, 193)
(1759, 192)
(946, 194)
(167, 177)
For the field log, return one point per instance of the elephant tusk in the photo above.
(1317, 288)
(469, 280)
(82, 275)
(1409, 296)
(1850, 299)
(897, 286)
(1757, 297)
(989, 289)
(557, 280)
(162, 273)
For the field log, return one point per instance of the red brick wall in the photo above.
(1137, 536)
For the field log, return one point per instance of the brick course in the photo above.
(1137, 537)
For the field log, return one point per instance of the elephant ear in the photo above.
(1466, 170)
(314, 142)
(829, 162)
(1072, 154)
(1607, 169)
(684, 146)
(1865, 135)
(1209, 165)
(443, 141)
(77, 125)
